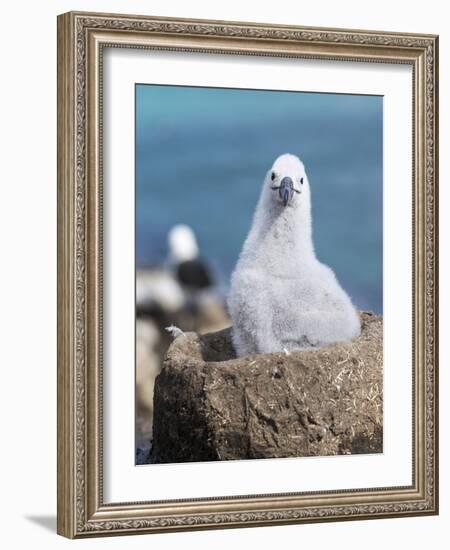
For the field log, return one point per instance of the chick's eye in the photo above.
(301, 181)
(273, 176)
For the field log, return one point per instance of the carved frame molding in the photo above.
(81, 39)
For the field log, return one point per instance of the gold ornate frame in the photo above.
(81, 39)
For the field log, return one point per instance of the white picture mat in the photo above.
(125, 482)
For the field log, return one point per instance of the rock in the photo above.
(210, 405)
(148, 363)
(142, 455)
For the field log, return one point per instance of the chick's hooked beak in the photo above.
(286, 190)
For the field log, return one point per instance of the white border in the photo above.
(123, 481)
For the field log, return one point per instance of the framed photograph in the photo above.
(247, 274)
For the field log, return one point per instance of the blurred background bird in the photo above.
(191, 271)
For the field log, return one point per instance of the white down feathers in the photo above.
(282, 298)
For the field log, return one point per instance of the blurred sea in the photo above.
(202, 154)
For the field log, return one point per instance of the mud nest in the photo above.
(211, 405)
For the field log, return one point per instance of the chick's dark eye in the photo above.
(301, 181)
(273, 176)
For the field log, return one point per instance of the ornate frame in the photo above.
(81, 37)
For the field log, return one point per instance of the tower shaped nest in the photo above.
(211, 405)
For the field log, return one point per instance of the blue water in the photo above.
(202, 154)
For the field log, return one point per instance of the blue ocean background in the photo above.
(202, 154)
